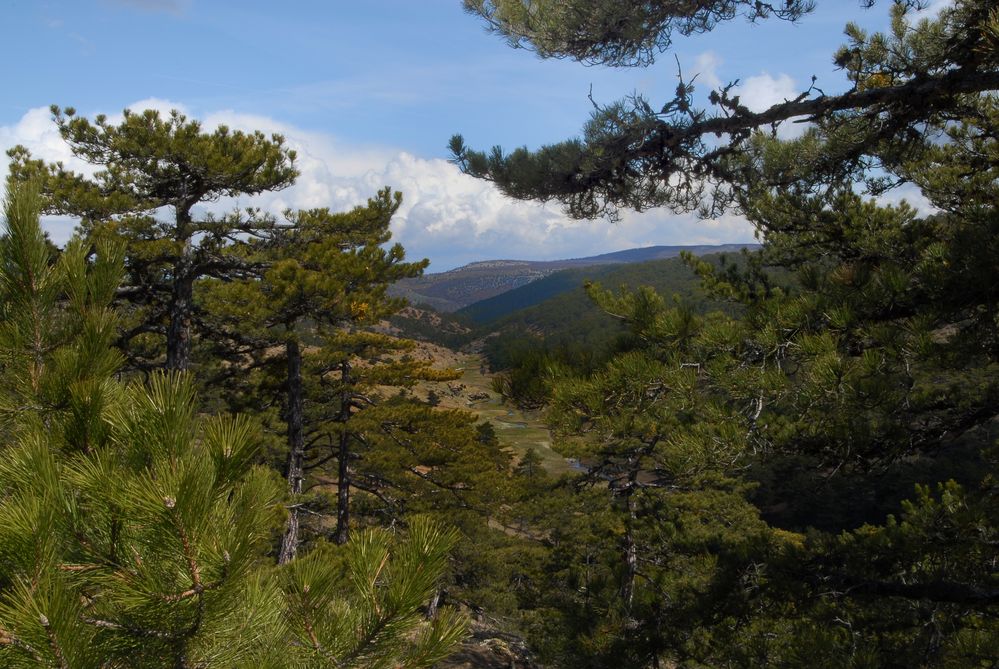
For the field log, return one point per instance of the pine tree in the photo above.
(637, 154)
(133, 532)
(54, 355)
(370, 612)
(873, 371)
(313, 309)
(598, 33)
(147, 163)
(859, 377)
(663, 439)
(324, 273)
(395, 449)
(889, 356)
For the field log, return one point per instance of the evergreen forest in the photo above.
(224, 442)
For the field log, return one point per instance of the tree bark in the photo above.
(179, 330)
(630, 554)
(343, 462)
(178, 338)
(343, 492)
(434, 604)
(296, 448)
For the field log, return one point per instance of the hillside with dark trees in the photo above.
(223, 445)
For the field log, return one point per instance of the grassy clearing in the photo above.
(517, 430)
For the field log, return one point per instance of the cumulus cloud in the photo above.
(36, 131)
(161, 105)
(447, 216)
(911, 195)
(758, 93)
(763, 91)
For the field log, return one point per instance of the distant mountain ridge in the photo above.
(457, 288)
(522, 297)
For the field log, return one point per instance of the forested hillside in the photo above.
(546, 297)
(223, 447)
(480, 281)
(492, 309)
(557, 308)
(571, 313)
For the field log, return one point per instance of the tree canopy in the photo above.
(907, 84)
(793, 464)
(135, 531)
(809, 480)
(616, 33)
(147, 163)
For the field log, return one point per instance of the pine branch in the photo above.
(8, 639)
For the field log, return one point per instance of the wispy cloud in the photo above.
(176, 7)
(706, 70)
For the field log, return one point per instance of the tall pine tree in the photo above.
(134, 531)
(149, 166)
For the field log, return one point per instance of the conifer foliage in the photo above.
(134, 532)
(148, 162)
(810, 481)
(638, 153)
(312, 311)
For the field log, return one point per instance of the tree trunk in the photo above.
(630, 555)
(434, 604)
(179, 330)
(296, 449)
(178, 339)
(343, 492)
(630, 550)
(343, 463)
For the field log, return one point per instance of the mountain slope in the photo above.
(572, 314)
(460, 287)
(570, 327)
(536, 292)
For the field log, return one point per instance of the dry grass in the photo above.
(517, 430)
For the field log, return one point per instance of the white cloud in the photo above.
(706, 68)
(36, 131)
(161, 105)
(446, 215)
(911, 195)
(758, 93)
(763, 91)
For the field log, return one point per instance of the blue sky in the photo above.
(370, 92)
